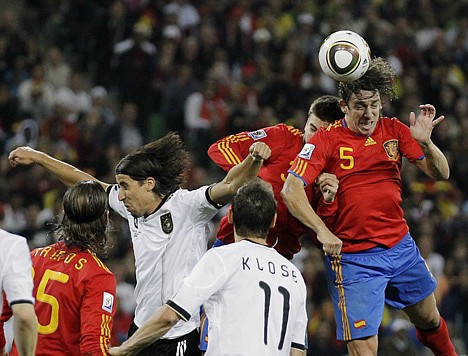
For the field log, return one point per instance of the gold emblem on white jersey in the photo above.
(166, 223)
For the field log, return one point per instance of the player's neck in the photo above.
(257, 240)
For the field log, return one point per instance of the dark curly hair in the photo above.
(84, 221)
(165, 160)
(379, 77)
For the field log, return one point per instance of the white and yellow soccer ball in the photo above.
(344, 56)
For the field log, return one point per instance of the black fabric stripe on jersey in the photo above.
(108, 190)
(211, 201)
(297, 346)
(21, 301)
(161, 203)
(184, 314)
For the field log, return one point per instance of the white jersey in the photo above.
(254, 299)
(167, 244)
(15, 269)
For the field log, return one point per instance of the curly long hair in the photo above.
(84, 221)
(379, 77)
(165, 160)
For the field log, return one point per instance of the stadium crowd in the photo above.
(88, 81)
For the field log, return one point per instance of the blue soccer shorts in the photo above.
(361, 283)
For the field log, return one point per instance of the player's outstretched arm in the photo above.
(159, 324)
(67, 173)
(240, 174)
(295, 198)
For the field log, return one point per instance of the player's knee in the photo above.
(429, 321)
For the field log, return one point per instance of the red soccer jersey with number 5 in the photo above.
(75, 301)
(368, 169)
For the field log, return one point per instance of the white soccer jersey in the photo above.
(15, 269)
(167, 244)
(255, 300)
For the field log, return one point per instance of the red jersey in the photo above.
(75, 301)
(285, 143)
(368, 168)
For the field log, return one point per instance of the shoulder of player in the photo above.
(285, 130)
(100, 265)
(185, 200)
(280, 129)
(10, 240)
(393, 123)
(333, 127)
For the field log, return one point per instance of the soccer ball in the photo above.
(344, 56)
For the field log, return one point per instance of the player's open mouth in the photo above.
(366, 125)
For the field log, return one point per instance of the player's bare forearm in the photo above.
(240, 174)
(435, 163)
(25, 328)
(155, 327)
(65, 172)
(295, 198)
(296, 352)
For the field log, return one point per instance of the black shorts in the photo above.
(186, 345)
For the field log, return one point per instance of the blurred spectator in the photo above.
(35, 95)
(125, 132)
(57, 71)
(90, 144)
(100, 102)
(134, 66)
(435, 261)
(399, 342)
(16, 74)
(125, 302)
(321, 332)
(206, 120)
(14, 219)
(26, 134)
(36, 230)
(110, 26)
(60, 134)
(175, 94)
(9, 109)
(187, 14)
(74, 95)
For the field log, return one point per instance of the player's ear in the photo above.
(343, 106)
(150, 183)
(273, 221)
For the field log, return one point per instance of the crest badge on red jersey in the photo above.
(391, 149)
